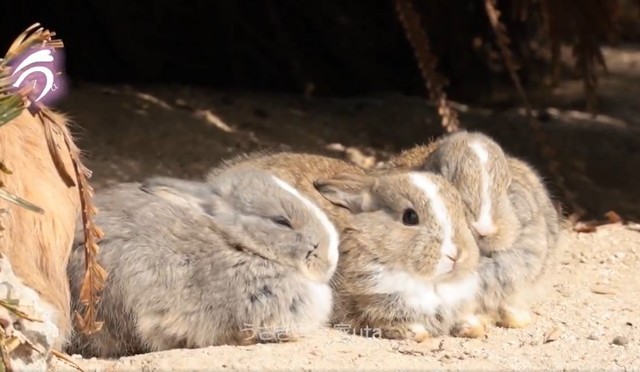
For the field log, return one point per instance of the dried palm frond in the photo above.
(12, 102)
(427, 62)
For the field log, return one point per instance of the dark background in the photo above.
(171, 51)
(342, 47)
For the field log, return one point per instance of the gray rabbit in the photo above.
(244, 258)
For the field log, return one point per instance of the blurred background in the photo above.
(166, 87)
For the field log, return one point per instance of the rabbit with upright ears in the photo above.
(514, 221)
(407, 267)
(241, 259)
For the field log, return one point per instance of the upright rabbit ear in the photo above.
(192, 194)
(348, 190)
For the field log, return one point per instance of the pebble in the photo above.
(620, 340)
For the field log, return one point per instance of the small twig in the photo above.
(17, 311)
(64, 357)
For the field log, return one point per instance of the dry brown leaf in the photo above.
(613, 217)
(552, 334)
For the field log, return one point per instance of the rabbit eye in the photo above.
(282, 221)
(410, 217)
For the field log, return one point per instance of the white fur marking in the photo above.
(334, 239)
(417, 328)
(484, 224)
(472, 321)
(420, 295)
(322, 297)
(461, 290)
(448, 247)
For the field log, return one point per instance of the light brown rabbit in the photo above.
(514, 221)
(409, 261)
(408, 258)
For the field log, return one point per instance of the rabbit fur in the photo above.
(401, 281)
(515, 222)
(243, 258)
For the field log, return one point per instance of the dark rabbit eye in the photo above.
(410, 217)
(282, 221)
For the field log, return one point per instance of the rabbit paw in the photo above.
(510, 317)
(471, 327)
(411, 331)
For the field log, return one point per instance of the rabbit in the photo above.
(514, 220)
(241, 259)
(408, 259)
(368, 211)
(300, 169)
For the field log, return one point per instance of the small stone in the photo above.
(593, 337)
(553, 334)
(602, 289)
(620, 340)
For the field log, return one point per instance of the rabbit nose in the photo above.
(312, 249)
(485, 227)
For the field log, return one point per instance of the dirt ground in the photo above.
(591, 313)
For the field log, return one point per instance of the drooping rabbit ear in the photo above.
(192, 194)
(349, 190)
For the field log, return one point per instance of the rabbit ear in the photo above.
(192, 194)
(348, 190)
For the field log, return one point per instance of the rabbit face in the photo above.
(281, 217)
(282, 224)
(408, 220)
(478, 168)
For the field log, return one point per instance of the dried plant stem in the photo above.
(95, 275)
(503, 41)
(64, 357)
(549, 153)
(419, 41)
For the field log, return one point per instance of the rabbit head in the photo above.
(407, 220)
(265, 212)
(477, 166)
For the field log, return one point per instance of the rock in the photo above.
(30, 340)
(620, 341)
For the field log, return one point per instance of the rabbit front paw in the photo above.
(410, 331)
(511, 317)
(470, 327)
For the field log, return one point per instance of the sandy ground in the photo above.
(594, 296)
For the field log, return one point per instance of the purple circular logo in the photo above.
(40, 68)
